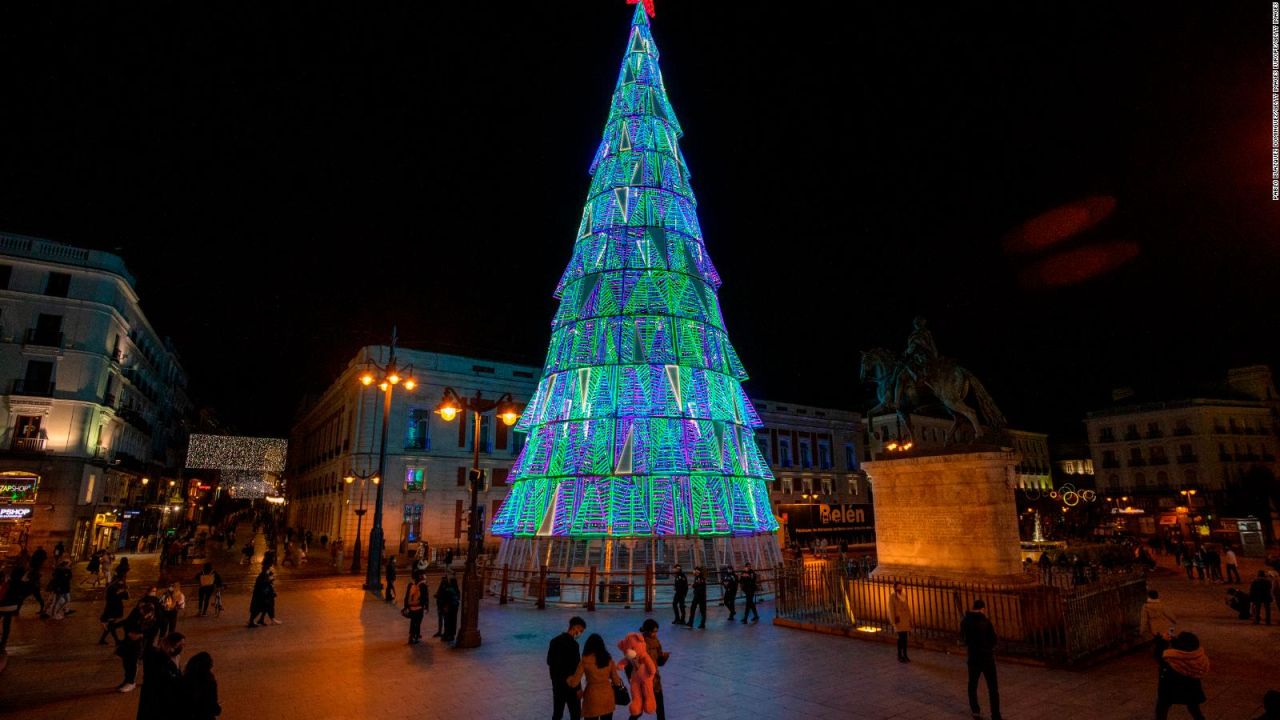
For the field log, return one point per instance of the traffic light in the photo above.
(477, 478)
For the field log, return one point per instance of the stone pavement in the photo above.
(342, 654)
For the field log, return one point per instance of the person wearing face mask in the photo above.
(161, 697)
(699, 598)
(172, 601)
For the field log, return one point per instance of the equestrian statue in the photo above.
(901, 382)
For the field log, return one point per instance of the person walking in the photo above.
(113, 611)
(562, 663)
(748, 582)
(1199, 561)
(1233, 567)
(979, 637)
(209, 582)
(597, 668)
(58, 551)
(246, 552)
(1157, 622)
(729, 583)
(199, 689)
(390, 593)
(453, 600)
(138, 627)
(14, 591)
(1260, 597)
(415, 605)
(1188, 562)
(680, 584)
(60, 585)
(91, 568)
(699, 599)
(262, 588)
(900, 616)
(441, 591)
(161, 696)
(172, 603)
(649, 629)
(1182, 667)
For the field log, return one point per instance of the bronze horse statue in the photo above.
(945, 379)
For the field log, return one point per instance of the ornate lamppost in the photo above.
(350, 478)
(507, 411)
(386, 377)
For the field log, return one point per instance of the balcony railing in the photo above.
(22, 387)
(46, 338)
(21, 444)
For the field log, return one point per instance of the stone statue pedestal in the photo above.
(949, 516)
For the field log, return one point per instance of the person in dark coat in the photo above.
(699, 598)
(729, 582)
(453, 600)
(9, 604)
(748, 582)
(441, 591)
(979, 637)
(390, 594)
(1182, 667)
(161, 697)
(200, 688)
(263, 599)
(562, 662)
(138, 627)
(113, 612)
(1260, 597)
(681, 586)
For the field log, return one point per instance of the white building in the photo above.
(93, 399)
(425, 494)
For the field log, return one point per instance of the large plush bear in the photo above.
(643, 670)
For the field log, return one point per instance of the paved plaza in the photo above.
(342, 654)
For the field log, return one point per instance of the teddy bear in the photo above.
(643, 670)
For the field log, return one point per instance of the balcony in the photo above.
(22, 387)
(1185, 459)
(134, 418)
(45, 338)
(21, 444)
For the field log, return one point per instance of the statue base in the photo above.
(948, 515)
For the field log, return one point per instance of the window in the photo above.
(415, 479)
(412, 521)
(462, 476)
(39, 378)
(517, 442)
(853, 486)
(826, 486)
(58, 285)
(417, 434)
(762, 442)
(806, 485)
(503, 431)
(824, 455)
(806, 458)
(1106, 435)
(784, 452)
(6, 272)
(500, 476)
(850, 457)
(787, 486)
(485, 422)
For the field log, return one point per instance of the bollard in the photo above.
(648, 589)
(591, 591)
(542, 588)
(502, 596)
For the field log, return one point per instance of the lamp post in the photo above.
(350, 478)
(450, 405)
(386, 377)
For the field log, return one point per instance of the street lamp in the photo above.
(350, 478)
(506, 410)
(386, 377)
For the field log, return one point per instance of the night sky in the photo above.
(287, 184)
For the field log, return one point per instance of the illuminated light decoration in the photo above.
(639, 429)
(249, 467)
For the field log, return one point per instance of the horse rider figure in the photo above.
(921, 351)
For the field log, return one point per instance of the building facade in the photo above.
(1034, 470)
(424, 494)
(1175, 462)
(94, 404)
(814, 454)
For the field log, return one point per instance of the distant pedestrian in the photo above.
(729, 584)
(1182, 667)
(390, 593)
(122, 567)
(246, 552)
(32, 581)
(979, 637)
(562, 663)
(415, 605)
(900, 616)
(262, 599)
(1188, 562)
(699, 598)
(15, 590)
(452, 600)
(60, 585)
(1046, 568)
(448, 557)
(1233, 567)
(597, 668)
(58, 551)
(1260, 597)
(680, 585)
(209, 581)
(199, 689)
(172, 603)
(113, 611)
(1213, 562)
(91, 568)
(441, 591)
(749, 582)
(138, 627)
(1199, 561)
(161, 697)
(324, 540)
(37, 558)
(1157, 622)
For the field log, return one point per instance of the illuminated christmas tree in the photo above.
(639, 429)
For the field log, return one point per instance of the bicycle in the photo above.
(217, 602)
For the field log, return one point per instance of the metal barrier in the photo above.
(589, 589)
(1051, 623)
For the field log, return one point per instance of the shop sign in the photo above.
(18, 486)
(16, 512)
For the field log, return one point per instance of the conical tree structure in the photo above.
(639, 426)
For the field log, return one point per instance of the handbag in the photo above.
(620, 695)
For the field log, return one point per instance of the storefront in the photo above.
(805, 523)
(107, 534)
(18, 491)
